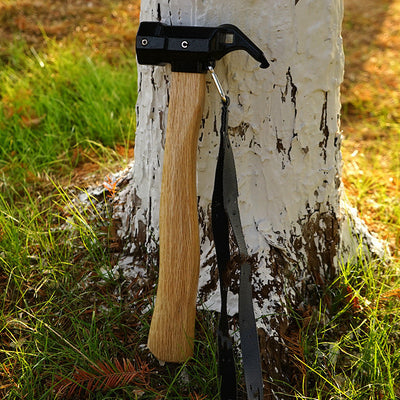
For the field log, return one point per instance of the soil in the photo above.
(105, 25)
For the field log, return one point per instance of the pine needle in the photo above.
(106, 375)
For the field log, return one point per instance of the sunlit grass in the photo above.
(371, 118)
(61, 99)
(372, 180)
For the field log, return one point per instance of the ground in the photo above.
(108, 26)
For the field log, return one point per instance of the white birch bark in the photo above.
(284, 129)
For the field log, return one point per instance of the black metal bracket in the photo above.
(191, 48)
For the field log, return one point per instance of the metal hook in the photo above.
(217, 84)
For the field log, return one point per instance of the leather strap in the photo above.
(225, 212)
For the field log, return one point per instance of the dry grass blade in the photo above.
(196, 396)
(106, 375)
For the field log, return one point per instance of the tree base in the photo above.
(279, 332)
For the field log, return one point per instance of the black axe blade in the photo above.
(191, 48)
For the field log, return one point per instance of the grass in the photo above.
(350, 348)
(371, 115)
(75, 101)
(64, 311)
(66, 112)
(60, 111)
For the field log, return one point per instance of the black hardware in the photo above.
(191, 48)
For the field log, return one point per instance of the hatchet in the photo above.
(190, 50)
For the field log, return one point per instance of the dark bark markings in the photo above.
(324, 127)
(159, 12)
(239, 130)
(291, 92)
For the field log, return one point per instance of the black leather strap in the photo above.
(225, 211)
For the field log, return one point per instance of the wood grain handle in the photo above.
(172, 327)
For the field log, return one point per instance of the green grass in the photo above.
(351, 348)
(61, 99)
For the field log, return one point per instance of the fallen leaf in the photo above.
(30, 122)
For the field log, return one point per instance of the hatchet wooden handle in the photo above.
(172, 327)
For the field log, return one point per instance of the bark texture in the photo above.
(284, 129)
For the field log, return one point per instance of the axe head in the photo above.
(191, 48)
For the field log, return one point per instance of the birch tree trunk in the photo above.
(284, 130)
